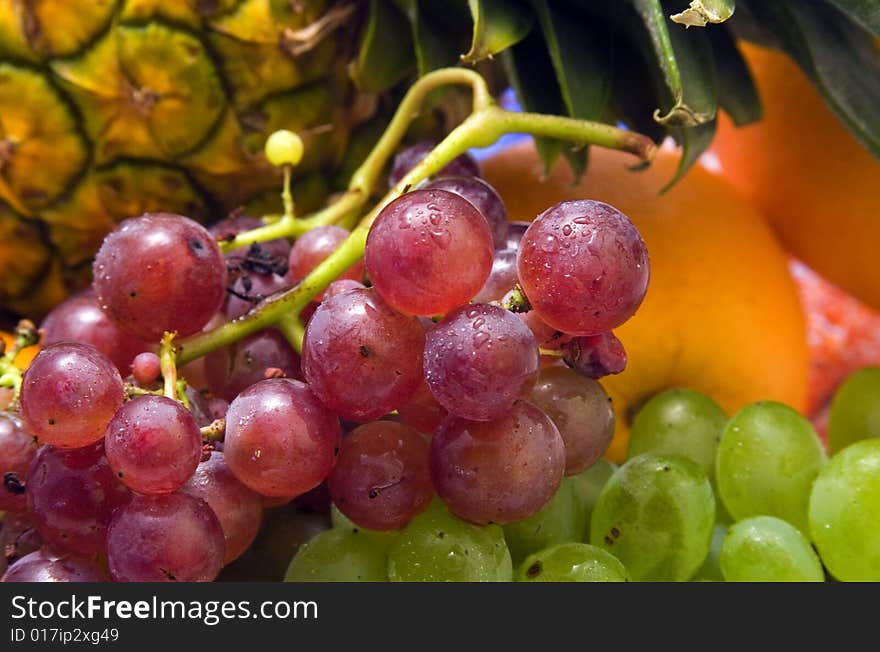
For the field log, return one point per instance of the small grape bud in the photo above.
(284, 147)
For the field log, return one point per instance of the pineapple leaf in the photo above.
(864, 12)
(531, 74)
(691, 105)
(383, 62)
(837, 55)
(702, 12)
(737, 94)
(693, 141)
(497, 25)
(440, 31)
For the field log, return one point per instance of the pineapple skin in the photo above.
(112, 108)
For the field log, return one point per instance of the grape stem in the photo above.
(484, 126)
(214, 431)
(168, 365)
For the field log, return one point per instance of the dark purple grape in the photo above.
(498, 471)
(484, 197)
(238, 509)
(146, 368)
(234, 368)
(17, 450)
(501, 279)
(280, 440)
(479, 360)
(169, 538)
(428, 251)
(313, 247)
(153, 444)
(160, 272)
(250, 289)
(217, 408)
(360, 357)
(72, 494)
(595, 356)
(80, 319)
(69, 394)
(18, 537)
(584, 267)
(581, 410)
(462, 165)
(47, 565)
(381, 478)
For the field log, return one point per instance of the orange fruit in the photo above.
(24, 357)
(721, 315)
(816, 184)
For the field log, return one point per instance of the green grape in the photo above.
(679, 422)
(561, 520)
(339, 556)
(845, 513)
(341, 522)
(439, 547)
(572, 562)
(656, 515)
(855, 410)
(710, 571)
(587, 486)
(767, 549)
(767, 460)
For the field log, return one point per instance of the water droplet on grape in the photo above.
(480, 339)
(566, 230)
(550, 244)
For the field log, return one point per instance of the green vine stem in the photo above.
(482, 128)
(168, 365)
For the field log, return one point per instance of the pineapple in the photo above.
(109, 108)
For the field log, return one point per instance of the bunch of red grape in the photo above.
(458, 360)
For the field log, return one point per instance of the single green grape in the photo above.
(768, 549)
(767, 460)
(284, 147)
(562, 520)
(679, 422)
(710, 570)
(341, 522)
(439, 547)
(845, 513)
(339, 556)
(572, 562)
(855, 410)
(656, 515)
(587, 486)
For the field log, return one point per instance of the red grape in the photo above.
(238, 509)
(462, 165)
(501, 279)
(428, 251)
(250, 289)
(263, 257)
(153, 444)
(80, 319)
(72, 494)
(498, 471)
(17, 450)
(381, 479)
(313, 247)
(69, 394)
(47, 565)
(584, 267)
(169, 538)
(280, 440)
(18, 537)
(479, 360)
(515, 232)
(160, 272)
(484, 197)
(341, 285)
(422, 411)
(232, 369)
(581, 410)
(146, 368)
(360, 357)
(595, 356)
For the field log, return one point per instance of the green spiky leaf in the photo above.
(864, 12)
(737, 94)
(382, 62)
(498, 24)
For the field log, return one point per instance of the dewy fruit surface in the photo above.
(818, 187)
(721, 314)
